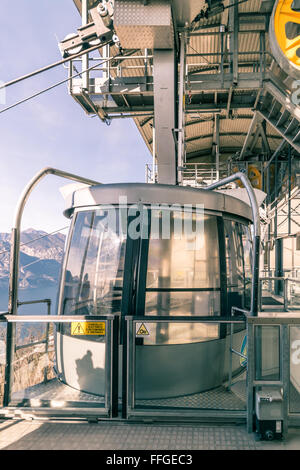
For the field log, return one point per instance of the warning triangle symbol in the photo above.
(78, 329)
(142, 331)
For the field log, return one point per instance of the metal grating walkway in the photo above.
(216, 399)
(46, 394)
(38, 435)
(54, 390)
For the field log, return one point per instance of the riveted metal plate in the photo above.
(144, 26)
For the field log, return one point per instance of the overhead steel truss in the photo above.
(231, 100)
(225, 68)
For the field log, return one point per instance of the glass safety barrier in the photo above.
(184, 367)
(58, 365)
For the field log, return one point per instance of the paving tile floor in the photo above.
(41, 435)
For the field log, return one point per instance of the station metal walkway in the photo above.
(39, 435)
(55, 393)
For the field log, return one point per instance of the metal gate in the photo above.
(29, 370)
(31, 382)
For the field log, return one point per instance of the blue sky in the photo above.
(52, 130)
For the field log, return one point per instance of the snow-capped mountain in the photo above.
(40, 258)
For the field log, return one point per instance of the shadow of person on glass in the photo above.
(91, 379)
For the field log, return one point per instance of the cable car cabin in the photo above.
(155, 250)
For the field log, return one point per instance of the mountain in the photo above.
(40, 258)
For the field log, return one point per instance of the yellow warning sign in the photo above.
(142, 330)
(88, 328)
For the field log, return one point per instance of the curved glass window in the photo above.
(95, 265)
(180, 266)
(183, 276)
(247, 246)
(238, 245)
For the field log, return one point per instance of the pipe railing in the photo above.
(15, 258)
(286, 281)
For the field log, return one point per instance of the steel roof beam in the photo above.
(229, 101)
(282, 134)
(233, 24)
(221, 117)
(249, 136)
(251, 80)
(276, 154)
(262, 131)
(201, 108)
(223, 134)
(206, 152)
(255, 139)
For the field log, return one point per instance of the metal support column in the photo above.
(262, 50)
(278, 265)
(165, 105)
(85, 57)
(216, 144)
(181, 106)
(289, 187)
(234, 38)
(153, 155)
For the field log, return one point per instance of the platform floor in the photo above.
(20, 434)
(45, 394)
(38, 435)
(54, 390)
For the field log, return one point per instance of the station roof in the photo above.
(214, 107)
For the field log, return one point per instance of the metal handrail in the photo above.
(14, 262)
(9, 318)
(185, 319)
(16, 230)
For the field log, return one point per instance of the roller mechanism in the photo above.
(99, 31)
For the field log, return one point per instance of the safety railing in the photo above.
(285, 292)
(51, 380)
(47, 333)
(169, 374)
(150, 176)
(141, 65)
(287, 272)
(203, 174)
(175, 367)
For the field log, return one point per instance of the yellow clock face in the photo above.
(287, 30)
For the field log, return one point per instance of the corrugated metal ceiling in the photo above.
(234, 125)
